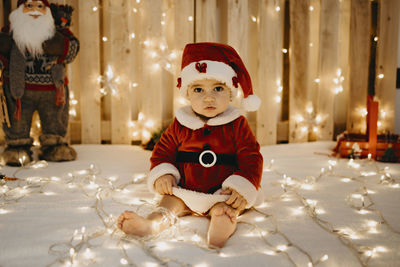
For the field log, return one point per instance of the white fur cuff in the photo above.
(243, 187)
(160, 170)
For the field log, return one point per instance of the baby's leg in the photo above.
(132, 223)
(222, 224)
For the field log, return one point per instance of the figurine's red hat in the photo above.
(220, 62)
(45, 2)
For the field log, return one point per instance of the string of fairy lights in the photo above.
(80, 249)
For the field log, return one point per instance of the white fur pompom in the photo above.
(251, 103)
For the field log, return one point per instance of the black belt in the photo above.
(206, 158)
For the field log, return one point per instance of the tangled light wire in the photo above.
(79, 249)
(360, 200)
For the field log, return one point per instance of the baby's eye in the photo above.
(197, 90)
(219, 89)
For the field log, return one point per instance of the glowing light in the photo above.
(346, 180)
(381, 249)
(320, 211)
(309, 109)
(190, 18)
(134, 10)
(133, 35)
(123, 261)
(105, 39)
(297, 211)
(362, 211)
(269, 252)
(150, 124)
(282, 247)
(72, 252)
(88, 254)
(376, 38)
(380, 76)
(324, 258)
(196, 238)
(317, 80)
(278, 99)
(162, 246)
(307, 186)
(311, 8)
(95, 8)
(311, 202)
(3, 211)
(253, 18)
(146, 43)
(318, 119)
(277, 9)
(259, 219)
(284, 50)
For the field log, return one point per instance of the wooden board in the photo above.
(206, 20)
(184, 33)
(340, 116)
(120, 62)
(328, 66)
(299, 45)
(387, 51)
(90, 69)
(153, 93)
(360, 22)
(269, 70)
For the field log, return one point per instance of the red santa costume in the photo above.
(206, 157)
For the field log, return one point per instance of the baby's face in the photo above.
(209, 97)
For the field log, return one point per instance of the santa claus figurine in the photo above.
(33, 53)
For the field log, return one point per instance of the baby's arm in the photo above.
(163, 185)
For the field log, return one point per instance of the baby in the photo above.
(207, 161)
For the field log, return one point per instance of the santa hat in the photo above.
(220, 62)
(45, 2)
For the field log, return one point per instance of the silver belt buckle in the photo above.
(205, 165)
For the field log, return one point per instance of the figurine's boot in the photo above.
(56, 148)
(18, 152)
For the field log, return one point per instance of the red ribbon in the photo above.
(202, 68)
(235, 81)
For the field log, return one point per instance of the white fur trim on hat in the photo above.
(160, 170)
(243, 187)
(214, 70)
(251, 103)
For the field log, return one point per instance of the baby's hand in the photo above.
(164, 184)
(236, 200)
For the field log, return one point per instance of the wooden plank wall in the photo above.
(142, 42)
(387, 63)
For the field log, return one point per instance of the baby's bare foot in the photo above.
(222, 225)
(133, 224)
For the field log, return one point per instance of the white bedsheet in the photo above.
(315, 222)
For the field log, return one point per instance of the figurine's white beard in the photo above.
(30, 33)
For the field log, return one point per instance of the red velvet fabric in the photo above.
(232, 138)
